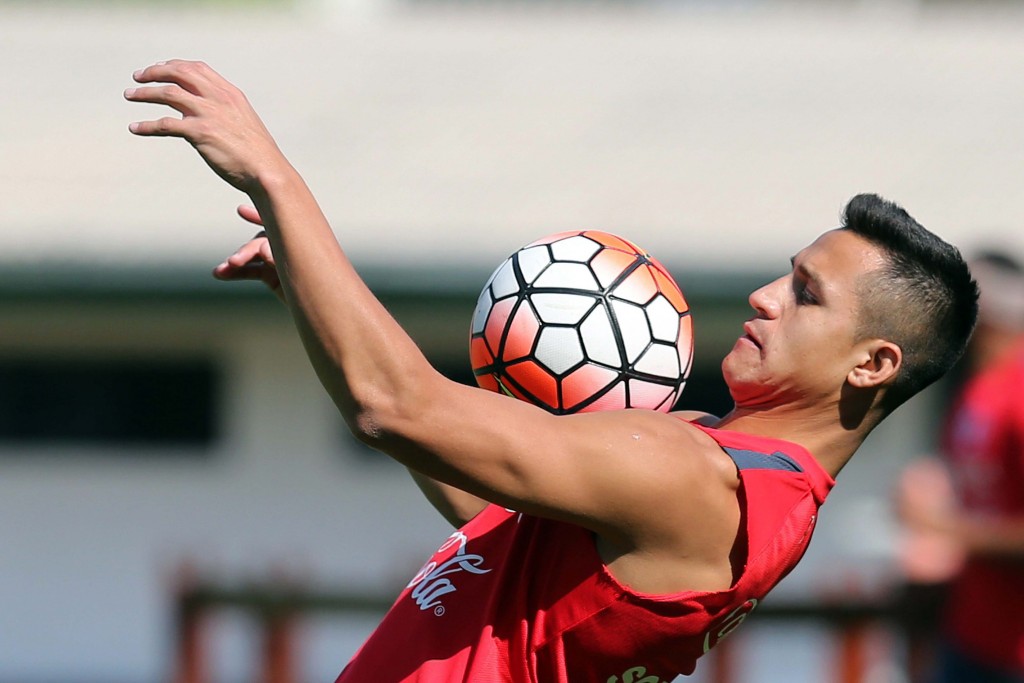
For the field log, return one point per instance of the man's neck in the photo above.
(821, 434)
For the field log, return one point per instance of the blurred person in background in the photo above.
(964, 516)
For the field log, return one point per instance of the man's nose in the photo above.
(765, 300)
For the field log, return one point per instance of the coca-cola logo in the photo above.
(432, 581)
(730, 623)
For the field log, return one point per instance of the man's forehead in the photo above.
(840, 251)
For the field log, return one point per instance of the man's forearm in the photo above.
(361, 355)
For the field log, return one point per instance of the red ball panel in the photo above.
(533, 377)
(496, 322)
(479, 355)
(658, 265)
(671, 290)
(553, 238)
(488, 382)
(609, 264)
(507, 387)
(613, 241)
(685, 344)
(583, 383)
(615, 399)
(639, 287)
(521, 334)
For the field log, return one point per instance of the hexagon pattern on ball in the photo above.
(581, 321)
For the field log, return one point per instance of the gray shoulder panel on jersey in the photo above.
(755, 460)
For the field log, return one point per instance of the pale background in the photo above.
(439, 138)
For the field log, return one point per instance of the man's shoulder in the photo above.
(696, 417)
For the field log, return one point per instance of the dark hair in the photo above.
(923, 299)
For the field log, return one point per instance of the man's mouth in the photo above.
(750, 335)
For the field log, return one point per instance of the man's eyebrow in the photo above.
(810, 274)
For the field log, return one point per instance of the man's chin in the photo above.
(745, 389)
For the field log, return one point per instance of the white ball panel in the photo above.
(614, 399)
(505, 283)
(664, 319)
(532, 261)
(483, 308)
(493, 275)
(568, 276)
(646, 395)
(558, 349)
(567, 309)
(633, 326)
(578, 248)
(661, 360)
(599, 339)
(669, 402)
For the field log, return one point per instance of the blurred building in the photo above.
(153, 417)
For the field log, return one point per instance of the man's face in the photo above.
(801, 344)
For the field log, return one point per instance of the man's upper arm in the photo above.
(455, 505)
(624, 474)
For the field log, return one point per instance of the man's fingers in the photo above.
(248, 252)
(250, 214)
(166, 126)
(192, 76)
(172, 95)
(248, 271)
(265, 253)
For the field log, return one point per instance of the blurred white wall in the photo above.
(725, 136)
(93, 537)
(716, 138)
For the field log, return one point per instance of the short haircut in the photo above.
(923, 299)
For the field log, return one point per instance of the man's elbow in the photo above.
(382, 416)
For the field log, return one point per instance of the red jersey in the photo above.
(516, 598)
(984, 446)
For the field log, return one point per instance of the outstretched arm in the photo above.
(639, 479)
(254, 260)
(928, 507)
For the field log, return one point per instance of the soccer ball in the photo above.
(583, 321)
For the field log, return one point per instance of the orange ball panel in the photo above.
(521, 334)
(535, 380)
(609, 264)
(659, 265)
(479, 355)
(488, 382)
(640, 287)
(553, 238)
(584, 383)
(507, 388)
(671, 290)
(685, 344)
(615, 399)
(496, 323)
(613, 241)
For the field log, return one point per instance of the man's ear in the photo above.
(881, 361)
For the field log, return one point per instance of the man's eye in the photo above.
(804, 296)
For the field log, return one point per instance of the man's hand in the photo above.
(254, 260)
(216, 118)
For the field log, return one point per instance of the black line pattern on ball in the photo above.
(603, 297)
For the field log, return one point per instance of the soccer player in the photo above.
(610, 547)
(975, 512)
